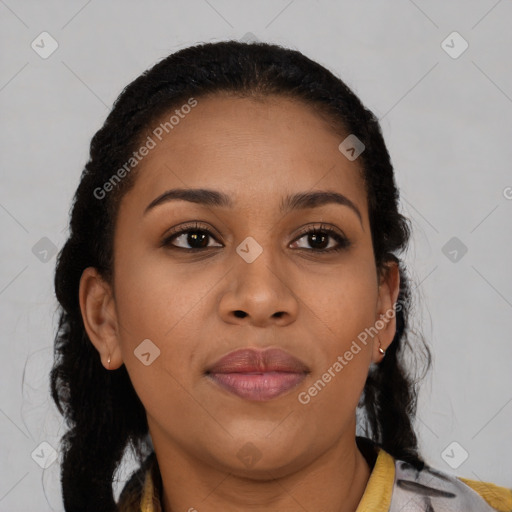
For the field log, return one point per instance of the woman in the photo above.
(233, 304)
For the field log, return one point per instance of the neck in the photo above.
(334, 482)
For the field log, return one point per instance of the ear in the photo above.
(99, 316)
(385, 321)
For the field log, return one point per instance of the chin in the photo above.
(264, 460)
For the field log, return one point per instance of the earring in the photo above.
(381, 351)
(108, 361)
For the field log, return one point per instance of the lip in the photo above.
(258, 375)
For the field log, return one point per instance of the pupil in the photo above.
(315, 239)
(196, 236)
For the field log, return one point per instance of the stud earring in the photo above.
(108, 361)
(381, 351)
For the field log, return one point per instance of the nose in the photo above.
(258, 293)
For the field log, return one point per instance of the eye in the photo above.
(195, 236)
(320, 238)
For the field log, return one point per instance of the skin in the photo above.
(257, 151)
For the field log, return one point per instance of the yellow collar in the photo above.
(377, 495)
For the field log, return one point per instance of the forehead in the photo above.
(252, 149)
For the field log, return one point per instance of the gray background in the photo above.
(447, 122)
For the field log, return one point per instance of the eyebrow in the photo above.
(214, 198)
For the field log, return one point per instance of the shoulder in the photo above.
(430, 489)
(498, 497)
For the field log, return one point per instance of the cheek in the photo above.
(344, 301)
(343, 308)
(156, 301)
(150, 306)
(158, 335)
(345, 312)
(153, 298)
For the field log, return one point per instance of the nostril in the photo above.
(240, 314)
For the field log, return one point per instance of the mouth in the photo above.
(258, 375)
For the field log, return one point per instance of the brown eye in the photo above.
(323, 240)
(192, 238)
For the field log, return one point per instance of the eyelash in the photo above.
(343, 242)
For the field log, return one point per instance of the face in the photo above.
(256, 271)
